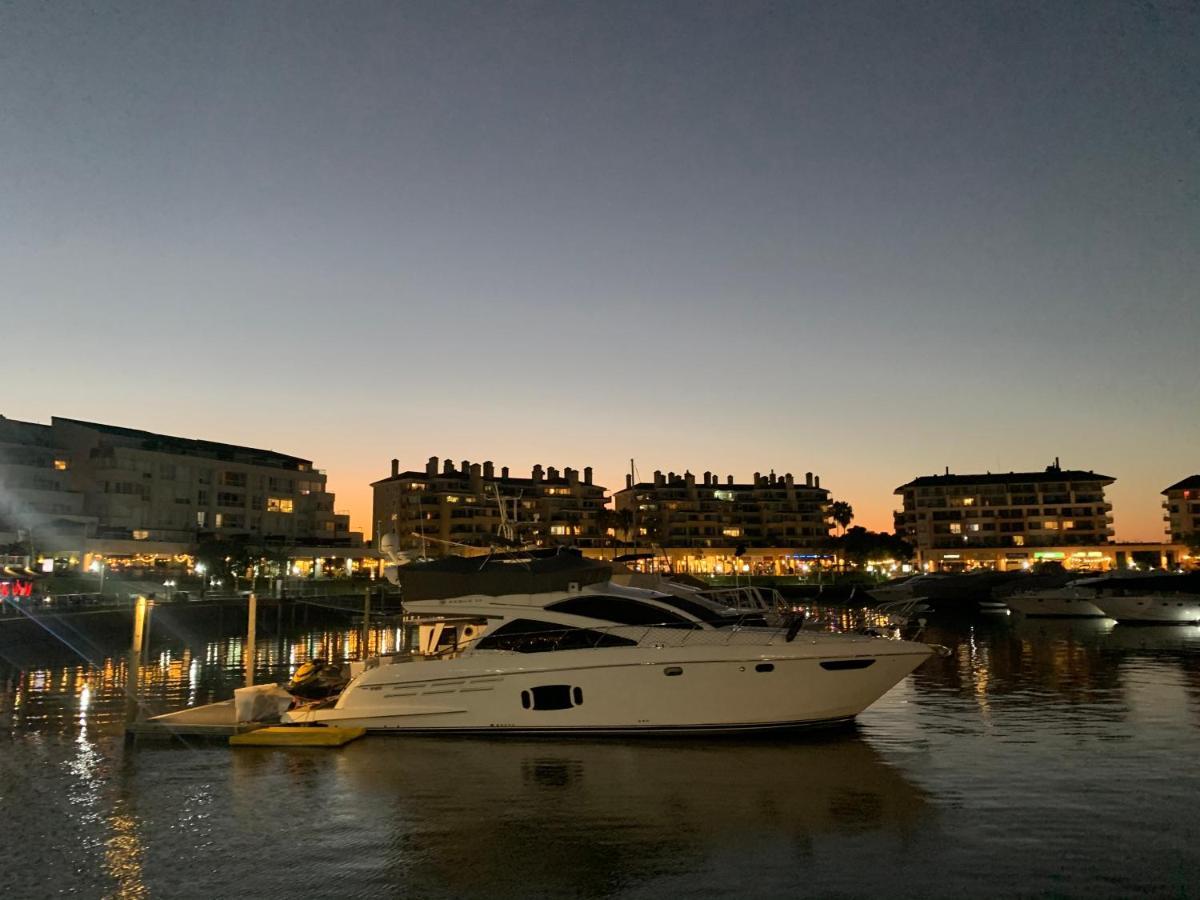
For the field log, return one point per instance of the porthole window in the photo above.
(552, 696)
(673, 670)
(835, 665)
(765, 667)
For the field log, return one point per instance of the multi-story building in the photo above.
(36, 490)
(439, 510)
(1182, 507)
(713, 519)
(1054, 508)
(131, 492)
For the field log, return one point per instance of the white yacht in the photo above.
(1150, 597)
(1076, 598)
(605, 658)
(1151, 607)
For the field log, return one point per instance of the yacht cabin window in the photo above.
(620, 610)
(532, 636)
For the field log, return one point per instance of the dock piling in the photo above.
(366, 625)
(141, 613)
(251, 636)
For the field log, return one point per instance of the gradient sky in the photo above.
(869, 240)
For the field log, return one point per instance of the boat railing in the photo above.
(657, 635)
(749, 598)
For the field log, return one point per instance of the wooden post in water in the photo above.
(132, 665)
(366, 626)
(146, 622)
(251, 636)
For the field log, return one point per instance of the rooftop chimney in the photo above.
(708, 477)
(729, 479)
(816, 481)
(659, 478)
(551, 473)
(395, 467)
(431, 466)
(504, 471)
(489, 470)
(537, 473)
(808, 479)
(587, 474)
(466, 467)
(628, 481)
(447, 467)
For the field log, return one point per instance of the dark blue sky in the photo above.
(866, 239)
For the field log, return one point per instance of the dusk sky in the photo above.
(870, 240)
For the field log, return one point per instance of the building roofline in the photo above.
(183, 445)
(458, 476)
(1005, 478)
(1192, 481)
(741, 486)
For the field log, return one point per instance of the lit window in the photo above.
(558, 491)
(1051, 525)
(1068, 524)
(61, 465)
(732, 532)
(1018, 540)
(968, 501)
(956, 528)
(200, 518)
(560, 529)
(141, 535)
(279, 505)
(727, 496)
(974, 526)
(219, 520)
(452, 499)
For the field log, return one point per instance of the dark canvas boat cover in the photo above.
(455, 576)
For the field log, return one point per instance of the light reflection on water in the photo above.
(1019, 763)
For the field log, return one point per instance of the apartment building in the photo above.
(676, 511)
(36, 490)
(1182, 510)
(1053, 508)
(439, 510)
(132, 492)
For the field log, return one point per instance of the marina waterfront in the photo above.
(1041, 757)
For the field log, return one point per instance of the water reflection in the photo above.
(585, 818)
(1033, 742)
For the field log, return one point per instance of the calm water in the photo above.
(1042, 757)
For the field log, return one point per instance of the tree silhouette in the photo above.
(842, 513)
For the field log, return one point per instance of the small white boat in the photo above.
(907, 587)
(604, 658)
(1151, 607)
(1075, 599)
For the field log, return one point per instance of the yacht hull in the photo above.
(1054, 603)
(646, 691)
(1160, 608)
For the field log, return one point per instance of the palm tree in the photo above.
(842, 513)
